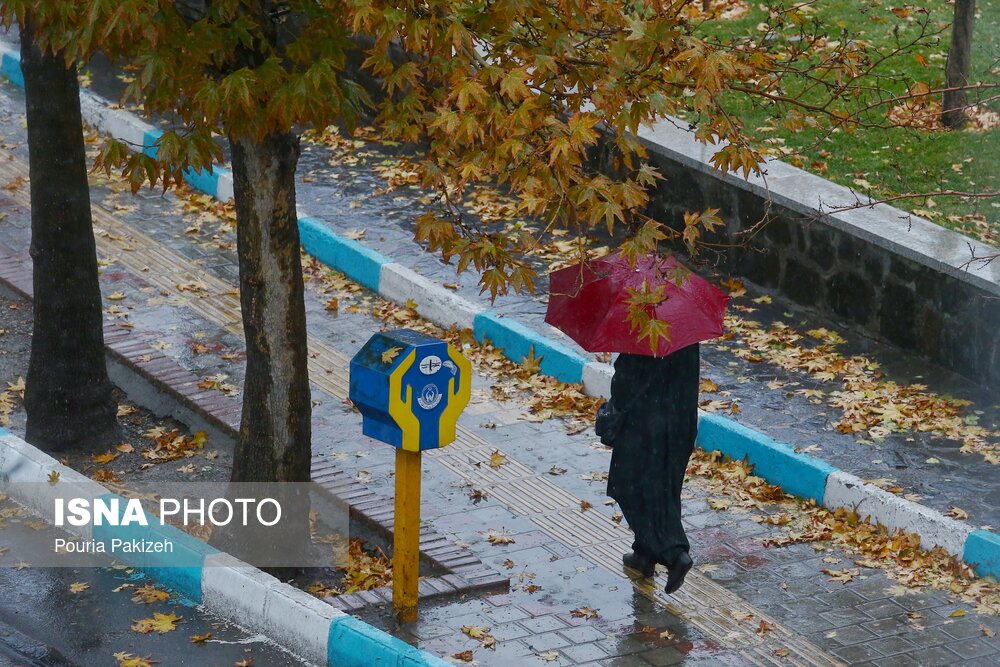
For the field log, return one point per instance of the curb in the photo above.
(231, 589)
(776, 462)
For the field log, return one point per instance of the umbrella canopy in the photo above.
(589, 302)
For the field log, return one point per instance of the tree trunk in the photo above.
(275, 432)
(956, 71)
(67, 396)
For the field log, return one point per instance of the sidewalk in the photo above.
(173, 274)
(766, 376)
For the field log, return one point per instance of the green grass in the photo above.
(897, 160)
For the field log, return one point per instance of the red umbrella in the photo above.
(589, 302)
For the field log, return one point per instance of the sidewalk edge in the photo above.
(226, 586)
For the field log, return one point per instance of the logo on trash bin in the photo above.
(430, 365)
(429, 397)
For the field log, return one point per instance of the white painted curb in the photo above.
(935, 529)
(434, 302)
(259, 602)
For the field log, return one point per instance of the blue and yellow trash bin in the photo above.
(410, 389)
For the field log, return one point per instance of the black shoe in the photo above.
(677, 572)
(640, 563)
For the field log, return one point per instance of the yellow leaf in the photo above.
(476, 631)
(498, 537)
(497, 459)
(160, 623)
(78, 587)
(719, 503)
(129, 660)
(201, 639)
(957, 513)
(107, 457)
(116, 296)
(125, 448)
(584, 612)
(390, 354)
(53, 477)
(958, 613)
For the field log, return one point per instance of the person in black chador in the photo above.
(659, 397)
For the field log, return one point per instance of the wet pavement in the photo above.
(356, 184)
(173, 275)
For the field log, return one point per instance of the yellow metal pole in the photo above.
(406, 536)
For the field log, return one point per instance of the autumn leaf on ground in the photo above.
(740, 615)
(719, 503)
(555, 470)
(764, 627)
(53, 477)
(126, 410)
(161, 623)
(125, 448)
(245, 662)
(958, 613)
(495, 537)
(843, 576)
(585, 505)
(390, 354)
(548, 656)
(354, 234)
(129, 660)
(482, 633)
(509, 564)
(531, 364)
(707, 386)
(116, 296)
(201, 639)
(734, 287)
(957, 513)
(497, 459)
(322, 590)
(781, 652)
(464, 656)
(78, 587)
(106, 457)
(989, 632)
(584, 612)
(149, 594)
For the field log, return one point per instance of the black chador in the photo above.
(651, 452)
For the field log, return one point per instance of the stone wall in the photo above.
(897, 276)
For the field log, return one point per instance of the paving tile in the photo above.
(662, 657)
(856, 653)
(890, 645)
(583, 653)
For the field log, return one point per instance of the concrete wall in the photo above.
(897, 276)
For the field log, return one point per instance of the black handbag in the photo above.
(609, 420)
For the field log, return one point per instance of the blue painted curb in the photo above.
(798, 474)
(353, 643)
(358, 262)
(982, 550)
(10, 67)
(517, 341)
(180, 570)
